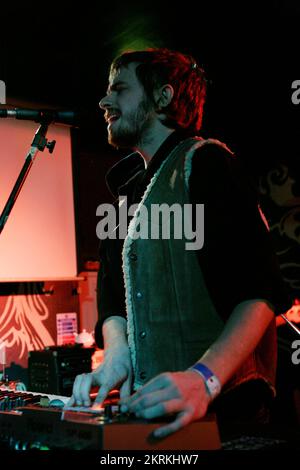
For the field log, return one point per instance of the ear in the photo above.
(163, 96)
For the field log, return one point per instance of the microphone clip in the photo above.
(40, 141)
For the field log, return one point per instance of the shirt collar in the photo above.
(132, 167)
(165, 149)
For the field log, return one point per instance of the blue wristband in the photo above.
(211, 381)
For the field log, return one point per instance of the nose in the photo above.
(105, 102)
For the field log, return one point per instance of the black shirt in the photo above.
(237, 259)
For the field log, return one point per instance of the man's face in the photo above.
(128, 112)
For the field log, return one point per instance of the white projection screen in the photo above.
(38, 240)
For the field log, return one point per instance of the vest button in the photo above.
(142, 334)
(143, 375)
(133, 256)
(139, 295)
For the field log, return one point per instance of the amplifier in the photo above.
(54, 369)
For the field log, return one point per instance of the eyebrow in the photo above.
(115, 85)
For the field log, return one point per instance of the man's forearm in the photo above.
(114, 331)
(242, 332)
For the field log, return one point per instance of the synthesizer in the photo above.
(31, 420)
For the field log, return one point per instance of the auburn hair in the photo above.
(157, 67)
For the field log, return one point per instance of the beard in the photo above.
(132, 128)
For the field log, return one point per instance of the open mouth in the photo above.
(112, 118)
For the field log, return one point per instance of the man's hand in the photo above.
(182, 393)
(115, 371)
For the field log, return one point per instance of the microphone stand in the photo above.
(38, 144)
(294, 327)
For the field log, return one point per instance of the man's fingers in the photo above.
(71, 402)
(158, 383)
(81, 390)
(125, 389)
(111, 379)
(183, 419)
(160, 408)
(138, 403)
(82, 387)
(105, 388)
(102, 393)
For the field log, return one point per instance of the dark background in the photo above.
(57, 55)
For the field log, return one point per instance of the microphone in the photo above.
(71, 118)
